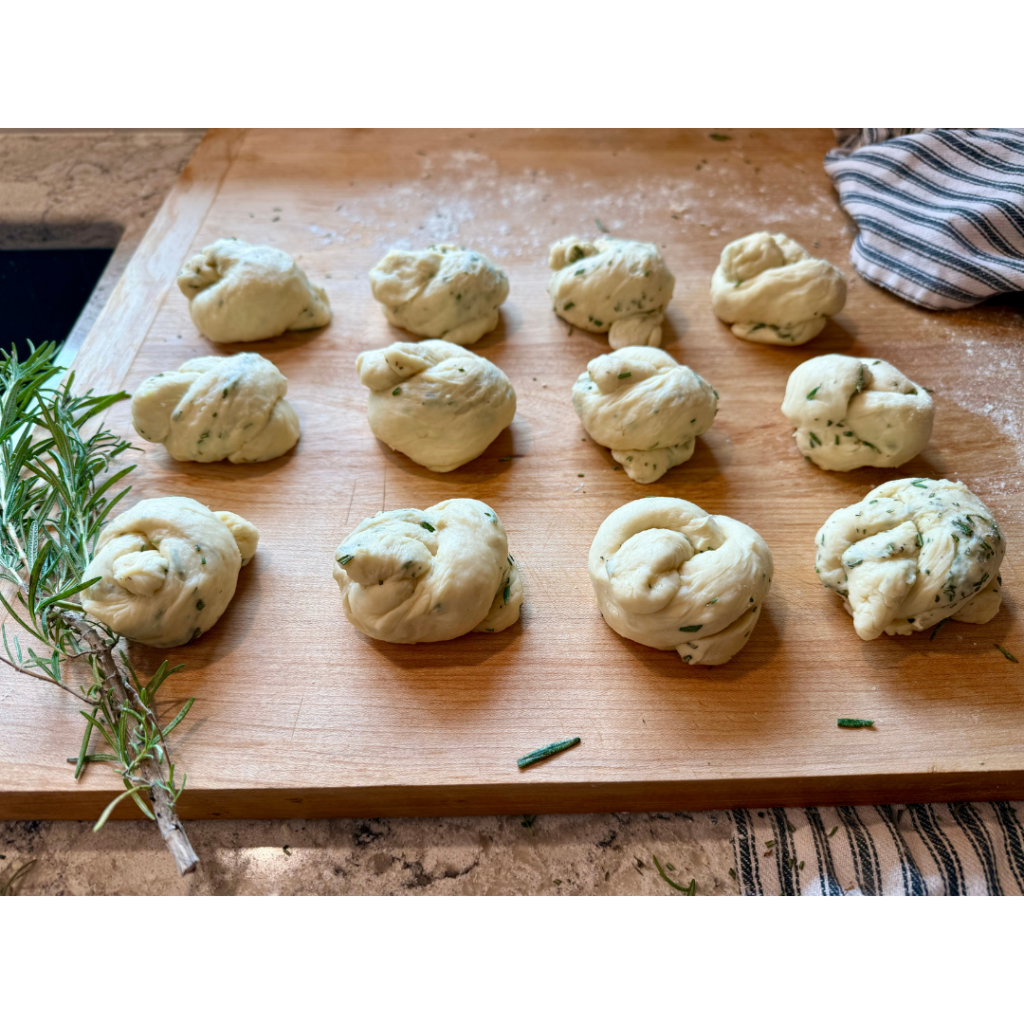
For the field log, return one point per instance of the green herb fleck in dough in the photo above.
(200, 605)
(691, 629)
(813, 392)
(345, 559)
(426, 526)
(623, 376)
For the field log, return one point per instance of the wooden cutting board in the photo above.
(297, 714)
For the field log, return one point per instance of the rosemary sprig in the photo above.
(57, 490)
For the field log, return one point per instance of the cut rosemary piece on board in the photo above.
(855, 723)
(1006, 654)
(544, 752)
(58, 487)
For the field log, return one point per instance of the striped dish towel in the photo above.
(888, 850)
(940, 211)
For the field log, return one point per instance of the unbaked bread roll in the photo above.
(411, 576)
(769, 288)
(669, 575)
(242, 292)
(912, 553)
(611, 286)
(218, 407)
(851, 412)
(444, 291)
(644, 406)
(168, 569)
(436, 402)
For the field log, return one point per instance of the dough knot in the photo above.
(670, 576)
(645, 407)
(438, 403)
(850, 412)
(215, 408)
(611, 286)
(167, 570)
(769, 288)
(241, 292)
(411, 576)
(442, 292)
(910, 554)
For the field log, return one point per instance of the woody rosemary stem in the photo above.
(120, 694)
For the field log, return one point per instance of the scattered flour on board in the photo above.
(471, 200)
(995, 381)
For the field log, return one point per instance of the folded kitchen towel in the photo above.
(888, 850)
(940, 211)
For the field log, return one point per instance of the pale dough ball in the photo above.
(770, 289)
(242, 292)
(168, 569)
(611, 286)
(912, 553)
(851, 412)
(644, 406)
(218, 407)
(669, 575)
(436, 402)
(441, 292)
(412, 576)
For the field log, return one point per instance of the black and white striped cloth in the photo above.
(940, 211)
(889, 850)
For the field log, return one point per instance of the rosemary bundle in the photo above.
(57, 491)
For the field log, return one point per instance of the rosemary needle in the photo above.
(544, 752)
(686, 890)
(1006, 654)
(855, 723)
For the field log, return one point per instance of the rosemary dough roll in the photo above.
(437, 403)
(411, 576)
(217, 407)
(644, 406)
(611, 286)
(912, 553)
(669, 575)
(168, 568)
(444, 291)
(242, 292)
(769, 288)
(851, 412)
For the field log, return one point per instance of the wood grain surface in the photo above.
(298, 714)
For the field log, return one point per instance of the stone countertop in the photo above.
(101, 189)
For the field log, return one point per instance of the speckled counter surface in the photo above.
(587, 854)
(101, 189)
